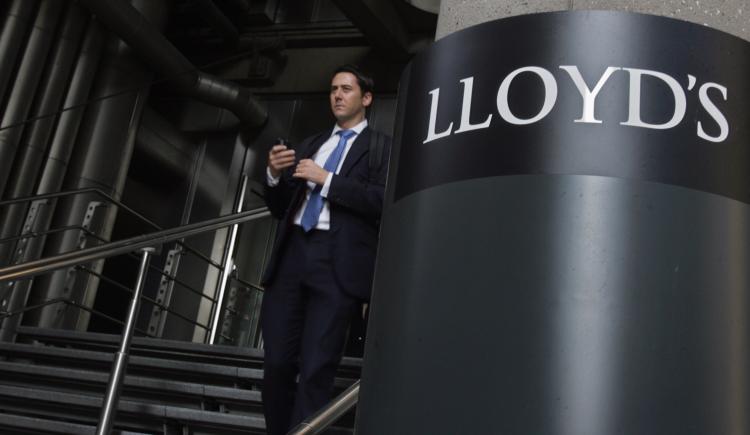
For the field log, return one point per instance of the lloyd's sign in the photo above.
(588, 101)
(597, 93)
(566, 231)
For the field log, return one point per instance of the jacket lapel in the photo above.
(315, 145)
(360, 146)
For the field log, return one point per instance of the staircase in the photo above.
(53, 382)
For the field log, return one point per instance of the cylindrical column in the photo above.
(26, 84)
(108, 129)
(25, 173)
(55, 167)
(566, 233)
(64, 139)
(15, 27)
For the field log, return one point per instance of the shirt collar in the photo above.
(356, 129)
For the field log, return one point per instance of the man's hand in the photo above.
(308, 170)
(279, 158)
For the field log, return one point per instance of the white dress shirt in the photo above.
(320, 157)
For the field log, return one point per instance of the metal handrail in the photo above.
(151, 268)
(100, 276)
(34, 234)
(227, 263)
(116, 376)
(248, 284)
(329, 414)
(93, 235)
(152, 301)
(112, 282)
(146, 244)
(6, 314)
(311, 426)
(111, 249)
(113, 201)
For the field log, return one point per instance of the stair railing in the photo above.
(227, 264)
(107, 198)
(120, 286)
(143, 243)
(329, 414)
(13, 249)
(132, 244)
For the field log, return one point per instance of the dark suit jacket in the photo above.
(355, 199)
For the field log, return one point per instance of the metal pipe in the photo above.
(329, 414)
(157, 51)
(38, 267)
(31, 152)
(228, 263)
(26, 84)
(52, 92)
(65, 135)
(61, 148)
(14, 31)
(109, 128)
(109, 408)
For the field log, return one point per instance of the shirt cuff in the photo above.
(270, 179)
(326, 185)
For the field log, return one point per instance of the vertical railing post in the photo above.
(227, 264)
(109, 406)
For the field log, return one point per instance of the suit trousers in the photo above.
(304, 318)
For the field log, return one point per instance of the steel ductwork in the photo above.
(122, 19)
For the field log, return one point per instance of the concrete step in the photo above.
(160, 348)
(168, 392)
(21, 424)
(84, 409)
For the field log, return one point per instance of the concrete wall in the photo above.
(732, 16)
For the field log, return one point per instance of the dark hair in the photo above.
(366, 83)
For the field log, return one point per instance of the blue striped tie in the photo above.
(315, 203)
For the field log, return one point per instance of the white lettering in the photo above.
(589, 99)
(714, 112)
(431, 135)
(589, 96)
(550, 95)
(634, 111)
(466, 124)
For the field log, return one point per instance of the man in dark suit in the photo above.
(328, 195)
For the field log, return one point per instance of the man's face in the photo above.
(347, 102)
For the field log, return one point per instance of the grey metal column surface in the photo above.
(69, 122)
(15, 27)
(26, 84)
(25, 173)
(103, 149)
(547, 306)
(60, 150)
